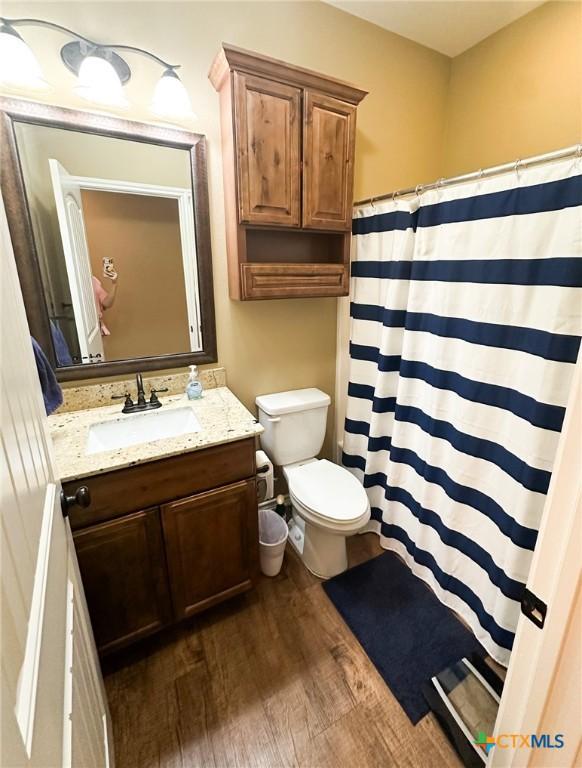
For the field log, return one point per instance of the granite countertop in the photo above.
(221, 415)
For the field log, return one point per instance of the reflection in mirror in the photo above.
(114, 232)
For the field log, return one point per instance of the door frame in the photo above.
(183, 196)
(554, 577)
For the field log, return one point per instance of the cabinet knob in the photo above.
(81, 498)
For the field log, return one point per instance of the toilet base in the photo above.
(324, 554)
(296, 535)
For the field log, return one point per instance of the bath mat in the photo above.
(408, 634)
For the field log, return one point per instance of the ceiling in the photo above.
(449, 26)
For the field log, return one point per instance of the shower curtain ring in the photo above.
(418, 190)
(372, 203)
(517, 166)
(480, 176)
(579, 151)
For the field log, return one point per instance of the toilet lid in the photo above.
(328, 490)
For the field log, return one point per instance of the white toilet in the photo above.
(328, 502)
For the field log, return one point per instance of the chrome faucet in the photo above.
(142, 404)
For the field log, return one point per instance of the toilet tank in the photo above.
(294, 424)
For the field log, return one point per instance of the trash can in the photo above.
(273, 532)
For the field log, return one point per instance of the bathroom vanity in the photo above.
(171, 528)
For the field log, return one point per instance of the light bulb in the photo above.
(170, 98)
(19, 67)
(99, 82)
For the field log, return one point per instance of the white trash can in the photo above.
(273, 532)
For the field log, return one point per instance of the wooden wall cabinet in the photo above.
(288, 138)
(329, 132)
(268, 138)
(191, 543)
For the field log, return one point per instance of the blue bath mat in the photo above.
(406, 631)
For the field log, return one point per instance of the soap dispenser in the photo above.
(194, 387)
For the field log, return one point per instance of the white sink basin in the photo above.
(141, 428)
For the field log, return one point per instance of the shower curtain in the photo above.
(465, 329)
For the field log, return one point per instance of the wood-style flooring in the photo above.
(273, 678)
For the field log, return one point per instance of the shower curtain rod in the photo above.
(482, 173)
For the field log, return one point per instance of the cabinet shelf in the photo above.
(275, 246)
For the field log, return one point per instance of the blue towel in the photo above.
(51, 391)
(60, 345)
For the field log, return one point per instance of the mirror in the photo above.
(112, 223)
(118, 270)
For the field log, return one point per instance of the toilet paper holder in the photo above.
(265, 477)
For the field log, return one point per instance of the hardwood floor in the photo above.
(273, 678)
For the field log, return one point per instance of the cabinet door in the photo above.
(123, 570)
(329, 129)
(267, 128)
(212, 546)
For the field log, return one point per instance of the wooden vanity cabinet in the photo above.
(288, 139)
(123, 566)
(165, 539)
(210, 541)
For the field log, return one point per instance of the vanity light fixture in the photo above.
(99, 82)
(19, 67)
(101, 72)
(170, 97)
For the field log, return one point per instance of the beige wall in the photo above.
(514, 94)
(142, 235)
(268, 346)
(517, 93)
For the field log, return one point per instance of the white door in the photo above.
(53, 710)
(72, 226)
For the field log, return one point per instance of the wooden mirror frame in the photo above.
(20, 225)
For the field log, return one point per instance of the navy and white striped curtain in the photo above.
(466, 321)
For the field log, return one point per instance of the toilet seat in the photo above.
(328, 494)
